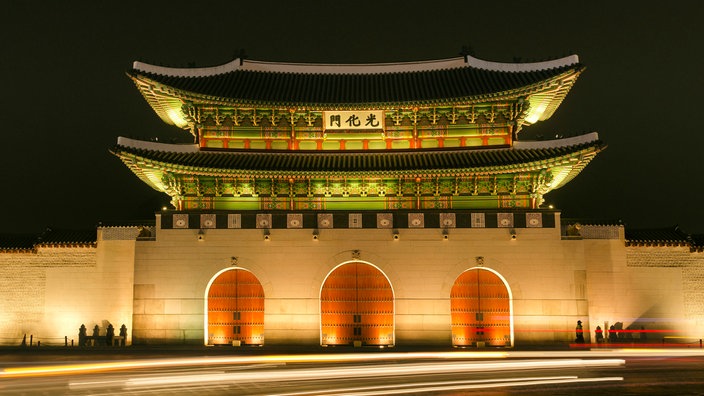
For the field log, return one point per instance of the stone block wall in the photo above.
(686, 291)
(173, 271)
(49, 292)
(25, 298)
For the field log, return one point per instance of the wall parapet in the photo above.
(573, 229)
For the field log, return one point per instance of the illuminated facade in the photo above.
(366, 205)
(423, 135)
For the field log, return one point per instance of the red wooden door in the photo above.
(236, 309)
(480, 309)
(357, 304)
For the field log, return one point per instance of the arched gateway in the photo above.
(234, 308)
(481, 309)
(356, 306)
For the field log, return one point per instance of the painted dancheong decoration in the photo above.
(418, 135)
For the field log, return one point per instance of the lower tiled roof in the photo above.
(354, 162)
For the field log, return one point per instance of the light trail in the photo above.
(357, 372)
(375, 371)
(603, 352)
(451, 386)
(413, 386)
(228, 360)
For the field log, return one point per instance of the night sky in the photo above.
(66, 98)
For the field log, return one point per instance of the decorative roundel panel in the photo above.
(534, 220)
(180, 220)
(294, 220)
(324, 220)
(264, 220)
(207, 220)
(447, 220)
(505, 219)
(384, 220)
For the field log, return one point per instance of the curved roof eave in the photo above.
(554, 88)
(135, 162)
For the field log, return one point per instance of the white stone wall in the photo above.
(25, 299)
(679, 297)
(157, 287)
(49, 293)
(546, 276)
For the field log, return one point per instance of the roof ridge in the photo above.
(352, 68)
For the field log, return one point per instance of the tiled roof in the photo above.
(698, 241)
(250, 85)
(353, 162)
(68, 237)
(17, 241)
(657, 236)
(126, 223)
(50, 236)
(590, 222)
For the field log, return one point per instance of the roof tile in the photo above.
(298, 88)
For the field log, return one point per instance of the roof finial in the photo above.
(466, 52)
(241, 56)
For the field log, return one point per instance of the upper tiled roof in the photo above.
(326, 85)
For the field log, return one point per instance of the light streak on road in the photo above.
(451, 386)
(348, 372)
(228, 360)
(78, 368)
(368, 373)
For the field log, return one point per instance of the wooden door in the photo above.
(480, 309)
(357, 304)
(236, 309)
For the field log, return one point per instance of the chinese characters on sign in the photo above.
(359, 119)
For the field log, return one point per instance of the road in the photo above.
(605, 372)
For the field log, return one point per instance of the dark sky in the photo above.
(66, 99)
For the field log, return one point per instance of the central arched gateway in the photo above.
(356, 306)
(481, 309)
(234, 308)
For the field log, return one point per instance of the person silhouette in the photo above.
(82, 334)
(579, 333)
(123, 334)
(109, 335)
(613, 336)
(599, 335)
